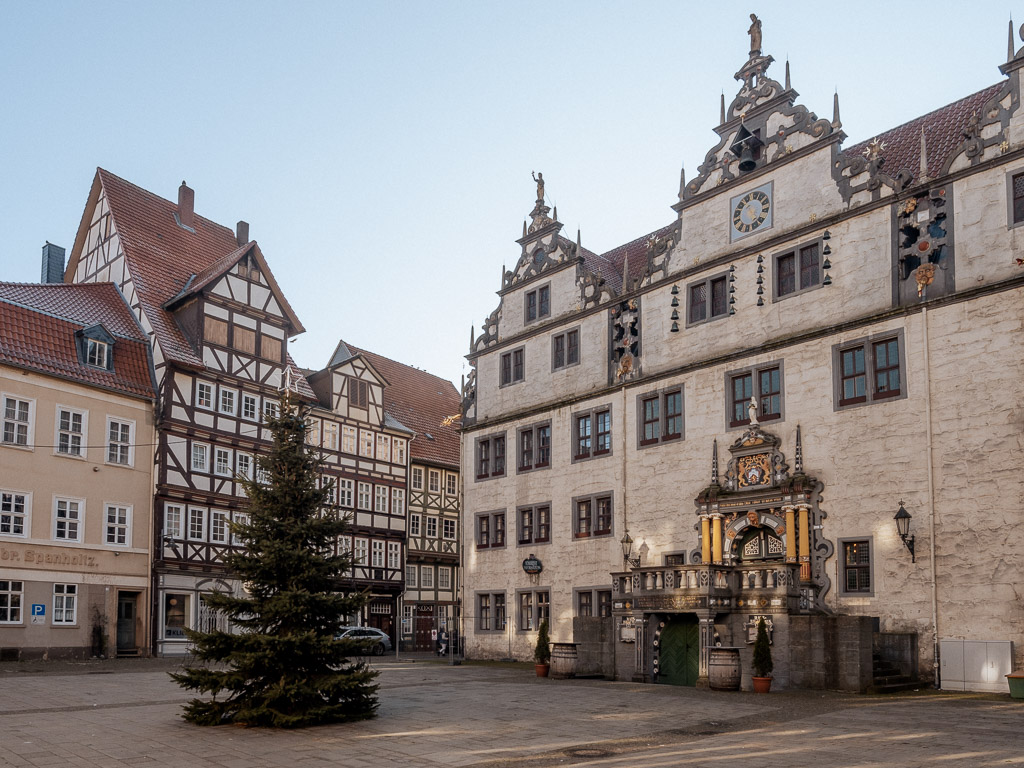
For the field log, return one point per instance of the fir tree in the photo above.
(542, 652)
(283, 666)
(762, 661)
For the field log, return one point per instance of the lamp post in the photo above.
(902, 518)
(627, 548)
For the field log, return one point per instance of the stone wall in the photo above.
(830, 652)
(594, 638)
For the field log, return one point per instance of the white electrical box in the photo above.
(975, 665)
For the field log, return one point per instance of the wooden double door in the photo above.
(679, 651)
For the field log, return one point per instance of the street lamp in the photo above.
(627, 548)
(902, 519)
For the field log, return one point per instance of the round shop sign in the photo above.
(532, 565)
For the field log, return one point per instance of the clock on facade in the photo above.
(751, 212)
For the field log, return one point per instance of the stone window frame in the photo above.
(754, 371)
(536, 292)
(493, 518)
(595, 593)
(534, 509)
(592, 414)
(1010, 176)
(565, 349)
(869, 369)
(593, 498)
(708, 317)
(489, 440)
(841, 562)
(534, 430)
(510, 356)
(535, 612)
(490, 593)
(661, 394)
(795, 251)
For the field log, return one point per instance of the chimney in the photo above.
(53, 264)
(186, 205)
(242, 233)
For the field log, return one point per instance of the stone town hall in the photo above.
(722, 419)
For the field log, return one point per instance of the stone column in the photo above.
(716, 537)
(707, 641)
(790, 512)
(705, 539)
(805, 542)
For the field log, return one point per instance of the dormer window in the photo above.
(95, 347)
(97, 353)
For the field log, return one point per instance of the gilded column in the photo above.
(716, 537)
(790, 512)
(805, 542)
(705, 539)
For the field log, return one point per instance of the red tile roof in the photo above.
(163, 257)
(943, 131)
(421, 401)
(610, 263)
(38, 323)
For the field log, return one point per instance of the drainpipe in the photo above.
(931, 494)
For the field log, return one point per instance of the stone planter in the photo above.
(563, 660)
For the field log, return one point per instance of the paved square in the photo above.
(128, 714)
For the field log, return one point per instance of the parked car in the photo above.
(376, 641)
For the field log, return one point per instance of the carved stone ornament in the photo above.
(625, 342)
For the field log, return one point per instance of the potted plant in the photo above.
(762, 663)
(542, 653)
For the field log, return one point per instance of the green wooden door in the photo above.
(680, 652)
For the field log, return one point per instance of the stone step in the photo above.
(909, 685)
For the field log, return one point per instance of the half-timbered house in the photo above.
(219, 326)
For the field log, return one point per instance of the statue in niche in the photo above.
(755, 35)
(539, 178)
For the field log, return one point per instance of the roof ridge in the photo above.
(404, 365)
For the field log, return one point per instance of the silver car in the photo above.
(376, 641)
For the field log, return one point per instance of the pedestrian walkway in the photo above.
(434, 714)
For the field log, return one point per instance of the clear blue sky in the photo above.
(382, 151)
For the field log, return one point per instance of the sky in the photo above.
(382, 151)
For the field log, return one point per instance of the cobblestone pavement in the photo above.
(127, 713)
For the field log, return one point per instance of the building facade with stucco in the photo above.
(720, 420)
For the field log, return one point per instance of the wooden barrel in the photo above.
(563, 660)
(724, 671)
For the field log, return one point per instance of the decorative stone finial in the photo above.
(799, 453)
(721, 117)
(714, 462)
(789, 85)
(836, 122)
(924, 157)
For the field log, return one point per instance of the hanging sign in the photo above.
(532, 565)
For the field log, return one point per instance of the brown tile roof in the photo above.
(163, 258)
(420, 401)
(610, 263)
(943, 132)
(38, 323)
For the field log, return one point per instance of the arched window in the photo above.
(761, 544)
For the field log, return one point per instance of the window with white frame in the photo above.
(250, 407)
(444, 577)
(383, 448)
(360, 552)
(204, 395)
(398, 501)
(414, 525)
(241, 518)
(228, 398)
(378, 554)
(312, 431)
(345, 492)
(348, 439)
(271, 408)
(65, 603)
(70, 431)
(406, 619)
(222, 461)
(330, 436)
(196, 523)
(417, 478)
(366, 443)
(435, 481)
(411, 572)
(364, 495)
(451, 484)
(243, 465)
(200, 457)
(118, 530)
(432, 527)
(427, 576)
(97, 353)
(218, 526)
(119, 442)
(381, 499)
(331, 484)
(398, 450)
(17, 416)
(394, 555)
(448, 529)
(12, 597)
(14, 511)
(68, 514)
(173, 519)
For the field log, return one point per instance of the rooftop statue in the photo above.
(755, 35)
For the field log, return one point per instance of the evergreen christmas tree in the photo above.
(283, 666)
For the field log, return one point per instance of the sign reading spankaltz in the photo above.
(532, 565)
